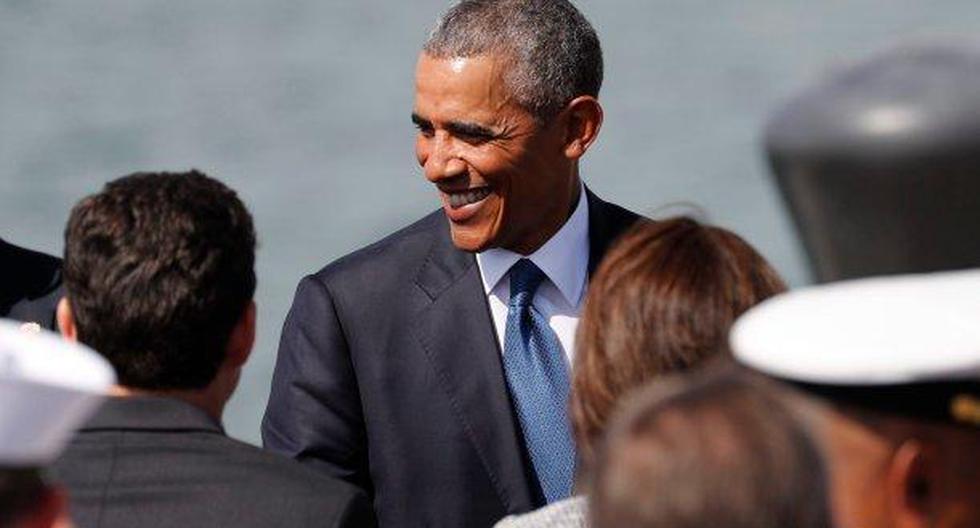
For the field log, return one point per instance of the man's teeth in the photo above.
(463, 198)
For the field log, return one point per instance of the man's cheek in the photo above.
(498, 211)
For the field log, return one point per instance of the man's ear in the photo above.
(911, 483)
(242, 337)
(66, 320)
(582, 120)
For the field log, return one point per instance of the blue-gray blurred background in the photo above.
(303, 107)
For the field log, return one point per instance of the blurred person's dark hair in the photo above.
(159, 268)
(713, 449)
(26, 500)
(661, 301)
(553, 52)
(20, 491)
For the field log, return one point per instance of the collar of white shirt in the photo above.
(564, 258)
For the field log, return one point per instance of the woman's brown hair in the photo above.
(661, 301)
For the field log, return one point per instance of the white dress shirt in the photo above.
(564, 259)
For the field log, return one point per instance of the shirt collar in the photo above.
(564, 258)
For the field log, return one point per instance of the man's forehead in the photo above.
(461, 87)
(486, 69)
(457, 64)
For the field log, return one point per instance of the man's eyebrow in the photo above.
(458, 128)
(461, 128)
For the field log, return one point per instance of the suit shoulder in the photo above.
(285, 478)
(153, 467)
(30, 285)
(391, 255)
(33, 273)
(622, 214)
(289, 475)
(617, 214)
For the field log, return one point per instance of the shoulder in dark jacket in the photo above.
(151, 461)
(30, 285)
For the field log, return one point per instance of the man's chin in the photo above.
(467, 240)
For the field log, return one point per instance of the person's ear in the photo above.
(242, 337)
(582, 120)
(911, 485)
(66, 320)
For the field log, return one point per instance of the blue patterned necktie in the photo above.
(538, 381)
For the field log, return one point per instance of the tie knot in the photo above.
(525, 277)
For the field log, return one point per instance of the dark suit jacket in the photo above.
(30, 285)
(146, 462)
(389, 376)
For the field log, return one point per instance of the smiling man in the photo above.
(431, 368)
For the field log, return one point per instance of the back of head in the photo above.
(719, 451)
(662, 300)
(553, 51)
(159, 267)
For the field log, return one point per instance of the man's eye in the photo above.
(425, 130)
(474, 138)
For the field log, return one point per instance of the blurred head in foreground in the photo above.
(893, 140)
(662, 301)
(47, 388)
(890, 368)
(714, 449)
(159, 273)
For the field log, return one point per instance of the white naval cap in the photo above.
(908, 342)
(48, 387)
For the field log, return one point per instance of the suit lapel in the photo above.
(456, 332)
(455, 329)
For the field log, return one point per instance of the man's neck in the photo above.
(203, 399)
(574, 194)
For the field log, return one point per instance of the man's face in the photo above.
(960, 469)
(863, 461)
(503, 177)
(858, 493)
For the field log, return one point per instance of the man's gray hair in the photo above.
(553, 52)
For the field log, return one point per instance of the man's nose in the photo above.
(443, 161)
